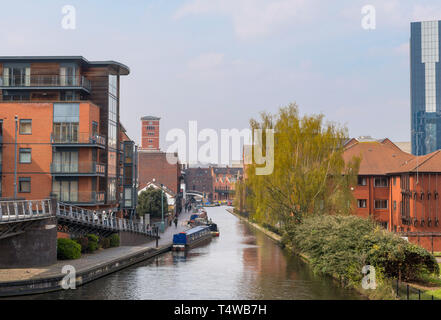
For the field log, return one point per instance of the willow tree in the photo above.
(310, 175)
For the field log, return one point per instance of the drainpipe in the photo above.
(15, 158)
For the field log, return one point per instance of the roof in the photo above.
(118, 67)
(158, 186)
(150, 118)
(196, 229)
(382, 157)
(227, 170)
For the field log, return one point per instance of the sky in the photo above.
(222, 62)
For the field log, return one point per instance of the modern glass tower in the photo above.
(425, 79)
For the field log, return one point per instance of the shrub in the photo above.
(105, 243)
(68, 249)
(342, 245)
(92, 244)
(84, 242)
(114, 240)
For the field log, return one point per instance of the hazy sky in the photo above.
(221, 62)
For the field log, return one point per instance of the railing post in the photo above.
(44, 207)
(16, 210)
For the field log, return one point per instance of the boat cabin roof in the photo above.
(196, 229)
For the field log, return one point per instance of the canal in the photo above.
(243, 263)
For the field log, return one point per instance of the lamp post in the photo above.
(162, 207)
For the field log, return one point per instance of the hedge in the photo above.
(342, 245)
(68, 249)
(114, 240)
(92, 244)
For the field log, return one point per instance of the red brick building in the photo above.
(224, 182)
(66, 113)
(399, 190)
(150, 133)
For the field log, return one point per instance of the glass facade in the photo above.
(112, 140)
(425, 77)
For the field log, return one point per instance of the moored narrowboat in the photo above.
(191, 238)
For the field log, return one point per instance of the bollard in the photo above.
(419, 294)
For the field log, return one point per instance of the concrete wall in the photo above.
(133, 239)
(36, 247)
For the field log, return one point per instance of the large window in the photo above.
(66, 190)
(66, 162)
(362, 203)
(16, 75)
(381, 182)
(381, 204)
(68, 74)
(25, 126)
(362, 181)
(128, 197)
(24, 185)
(25, 155)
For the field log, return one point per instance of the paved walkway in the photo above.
(103, 256)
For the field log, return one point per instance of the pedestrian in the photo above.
(176, 222)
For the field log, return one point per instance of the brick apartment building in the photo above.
(218, 183)
(61, 114)
(398, 189)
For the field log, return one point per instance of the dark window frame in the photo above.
(23, 150)
(20, 126)
(24, 179)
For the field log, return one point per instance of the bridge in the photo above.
(195, 193)
(28, 230)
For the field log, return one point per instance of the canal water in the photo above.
(243, 263)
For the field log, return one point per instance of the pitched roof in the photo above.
(428, 163)
(378, 157)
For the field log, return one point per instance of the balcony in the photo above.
(83, 198)
(82, 139)
(86, 168)
(45, 82)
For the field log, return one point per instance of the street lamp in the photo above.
(162, 208)
(15, 158)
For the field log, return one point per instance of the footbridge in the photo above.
(28, 230)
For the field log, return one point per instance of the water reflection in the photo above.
(242, 263)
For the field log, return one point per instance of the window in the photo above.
(24, 185)
(67, 190)
(362, 181)
(380, 182)
(25, 126)
(25, 155)
(150, 128)
(380, 204)
(65, 162)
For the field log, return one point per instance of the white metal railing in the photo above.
(21, 210)
(102, 221)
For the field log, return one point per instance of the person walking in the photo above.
(176, 222)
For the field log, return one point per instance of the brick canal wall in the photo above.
(35, 247)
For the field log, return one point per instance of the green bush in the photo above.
(84, 242)
(68, 249)
(114, 240)
(105, 243)
(342, 245)
(92, 244)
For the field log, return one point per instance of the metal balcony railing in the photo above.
(45, 81)
(86, 167)
(78, 138)
(81, 197)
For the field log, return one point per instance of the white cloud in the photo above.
(253, 18)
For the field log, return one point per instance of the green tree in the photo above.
(310, 175)
(149, 202)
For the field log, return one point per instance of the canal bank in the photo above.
(20, 282)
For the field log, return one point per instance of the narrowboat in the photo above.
(191, 238)
(214, 229)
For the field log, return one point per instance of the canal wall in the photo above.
(83, 274)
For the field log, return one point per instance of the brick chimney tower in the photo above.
(150, 133)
